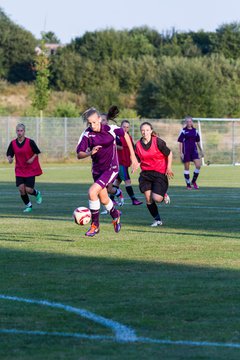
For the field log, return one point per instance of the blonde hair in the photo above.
(20, 126)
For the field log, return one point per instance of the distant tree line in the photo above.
(156, 75)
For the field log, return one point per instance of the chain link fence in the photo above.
(57, 138)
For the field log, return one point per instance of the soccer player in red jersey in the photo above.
(156, 164)
(124, 163)
(26, 166)
(99, 142)
(189, 141)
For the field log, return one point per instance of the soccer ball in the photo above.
(82, 215)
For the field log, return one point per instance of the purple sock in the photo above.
(95, 217)
(113, 212)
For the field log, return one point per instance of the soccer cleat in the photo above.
(104, 212)
(27, 209)
(196, 187)
(93, 230)
(136, 202)
(116, 222)
(189, 187)
(156, 223)
(166, 199)
(39, 198)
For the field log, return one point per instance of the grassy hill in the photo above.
(16, 100)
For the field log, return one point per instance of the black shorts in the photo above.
(28, 181)
(154, 181)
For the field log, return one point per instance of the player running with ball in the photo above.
(99, 142)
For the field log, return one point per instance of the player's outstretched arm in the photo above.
(135, 163)
(88, 152)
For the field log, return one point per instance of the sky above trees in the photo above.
(72, 18)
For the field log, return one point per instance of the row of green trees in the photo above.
(148, 73)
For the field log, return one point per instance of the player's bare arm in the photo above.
(30, 161)
(169, 171)
(200, 149)
(181, 151)
(135, 163)
(10, 159)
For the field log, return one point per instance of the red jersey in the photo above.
(22, 154)
(124, 154)
(152, 158)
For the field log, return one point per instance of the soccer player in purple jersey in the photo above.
(112, 190)
(99, 142)
(189, 143)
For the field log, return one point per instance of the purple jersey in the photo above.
(189, 138)
(106, 158)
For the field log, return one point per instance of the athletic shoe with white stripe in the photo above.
(156, 223)
(166, 199)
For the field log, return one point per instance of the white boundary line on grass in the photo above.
(122, 332)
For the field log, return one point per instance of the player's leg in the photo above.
(114, 190)
(30, 183)
(197, 163)
(94, 206)
(145, 186)
(111, 209)
(99, 191)
(187, 174)
(128, 187)
(152, 208)
(23, 193)
(159, 191)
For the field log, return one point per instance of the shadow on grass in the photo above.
(209, 209)
(157, 299)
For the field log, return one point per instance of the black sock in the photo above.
(25, 199)
(195, 176)
(116, 190)
(153, 209)
(187, 178)
(130, 191)
(35, 192)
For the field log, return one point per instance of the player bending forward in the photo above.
(99, 142)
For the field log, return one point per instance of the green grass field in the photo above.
(180, 282)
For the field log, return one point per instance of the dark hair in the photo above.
(149, 124)
(87, 113)
(125, 121)
(146, 123)
(113, 112)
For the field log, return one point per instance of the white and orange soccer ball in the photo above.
(82, 215)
